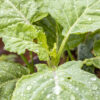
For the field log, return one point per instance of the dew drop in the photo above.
(89, 19)
(48, 96)
(36, 50)
(1, 12)
(77, 89)
(98, 10)
(57, 90)
(93, 78)
(29, 87)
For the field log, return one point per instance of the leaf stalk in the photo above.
(27, 63)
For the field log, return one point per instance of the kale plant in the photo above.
(49, 28)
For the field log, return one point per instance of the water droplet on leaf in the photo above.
(93, 78)
(89, 19)
(36, 50)
(29, 87)
(57, 90)
(48, 96)
(77, 89)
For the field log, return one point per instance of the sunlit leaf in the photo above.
(68, 82)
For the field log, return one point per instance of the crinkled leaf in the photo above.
(76, 16)
(16, 11)
(68, 82)
(17, 38)
(20, 37)
(9, 75)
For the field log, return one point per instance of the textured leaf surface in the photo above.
(68, 82)
(76, 16)
(16, 11)
(20, 37)
(9, 74)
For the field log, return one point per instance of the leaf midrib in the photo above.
(66, 37)
(69, 31)
(19, 12)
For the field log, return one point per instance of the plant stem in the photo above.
(57, 35)
(32, 62)
(62, 48)
(27, 63)
(69, 53)
(24, 59)
(65, 40)
(31, 56)
(49, 62)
